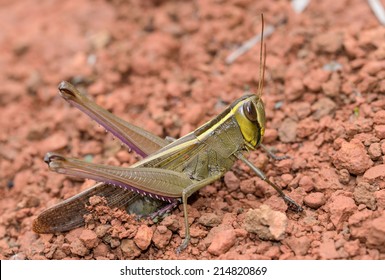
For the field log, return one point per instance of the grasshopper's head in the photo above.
(250, 115)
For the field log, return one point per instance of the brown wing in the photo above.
(69, 213)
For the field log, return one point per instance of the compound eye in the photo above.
(250, 111)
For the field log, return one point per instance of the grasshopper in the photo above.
(169, 171)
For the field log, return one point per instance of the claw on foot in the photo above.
(68, 91)
(183, 245)
(294, 206)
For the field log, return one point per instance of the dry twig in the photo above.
(249, 44)
(378, 10)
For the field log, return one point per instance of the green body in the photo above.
(170, 173)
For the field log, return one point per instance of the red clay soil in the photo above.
(162, 66)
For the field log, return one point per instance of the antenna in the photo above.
(262, 59)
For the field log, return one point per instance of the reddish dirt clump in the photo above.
(162, 66)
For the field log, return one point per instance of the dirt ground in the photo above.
(162, 66)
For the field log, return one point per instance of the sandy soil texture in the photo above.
(162, 65)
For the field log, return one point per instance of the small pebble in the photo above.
(379, 117)
(340, 208)
(161, 237)
(129, 249)
(380, 131)
(77, 247)
(89, 238)
(323, 107)
(232, 182)
(268, 224)
(329, 42)
(344, 176)
(380, 198)
(209, 220)
(314, 200)
(222, 242)
(287, 131)
(143, 237)
(306, 183)
(353, 157)
(364, 194)
(375, 173)
(101, 250)
(248, 186)
(299, 245)
(376, 236)
(327, 250)
(171, 222)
